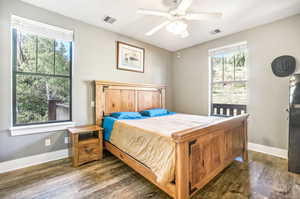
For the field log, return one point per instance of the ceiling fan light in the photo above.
(177, 27)
(184, 34)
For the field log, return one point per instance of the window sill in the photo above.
(42, 128)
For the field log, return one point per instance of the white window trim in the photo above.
(41, 29)
(228, 48)
(42, 128)
(51, 32)
(218, 51)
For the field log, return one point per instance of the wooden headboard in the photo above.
(126, 97)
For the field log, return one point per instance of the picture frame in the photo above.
(130, 57)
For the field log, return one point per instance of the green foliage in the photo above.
(42, 74)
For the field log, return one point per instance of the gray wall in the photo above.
(268, 95)
(94, 59)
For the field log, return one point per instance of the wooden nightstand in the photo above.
(87, 144)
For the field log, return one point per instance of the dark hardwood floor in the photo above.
(262, 177)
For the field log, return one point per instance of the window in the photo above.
(229, 79)
(42, 73)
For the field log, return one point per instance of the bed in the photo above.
(200, 151)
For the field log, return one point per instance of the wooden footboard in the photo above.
(203, 153)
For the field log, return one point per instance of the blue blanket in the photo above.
(108, 124)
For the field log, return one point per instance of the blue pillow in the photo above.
(126, 115)
(155, 112)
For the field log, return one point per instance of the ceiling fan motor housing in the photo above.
(177, 17)
(171, 3)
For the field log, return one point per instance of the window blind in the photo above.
(228, 49)
(41, 29)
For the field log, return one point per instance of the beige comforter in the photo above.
(149, 140)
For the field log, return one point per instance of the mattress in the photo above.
(149, 140)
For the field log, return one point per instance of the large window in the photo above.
(42, 74)
(229, 77)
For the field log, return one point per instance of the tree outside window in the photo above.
(42, 69)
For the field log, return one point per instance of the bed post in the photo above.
(99, 100)
(182, 171)
(245, 138)
(163, 97)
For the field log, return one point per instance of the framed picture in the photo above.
(130, 57)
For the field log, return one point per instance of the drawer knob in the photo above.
(87, 150)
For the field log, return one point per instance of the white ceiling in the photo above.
(238, 15)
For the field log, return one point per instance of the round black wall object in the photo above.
(284, 66)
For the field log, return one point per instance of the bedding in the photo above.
(149, 139)
(108, 123)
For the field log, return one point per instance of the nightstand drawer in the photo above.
(87, 144)
(88, 152)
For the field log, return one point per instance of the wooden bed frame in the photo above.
(201, 152)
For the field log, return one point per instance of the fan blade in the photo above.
(203, 16)
(184, 5)
(153, 12)
(185, 34)
(157, 28)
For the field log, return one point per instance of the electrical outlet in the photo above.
(66, 140)
(47, 142)
(92, 104)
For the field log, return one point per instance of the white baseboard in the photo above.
(32, 160)
(282, 153)
(56, 155)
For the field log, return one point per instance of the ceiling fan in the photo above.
(177, 17)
